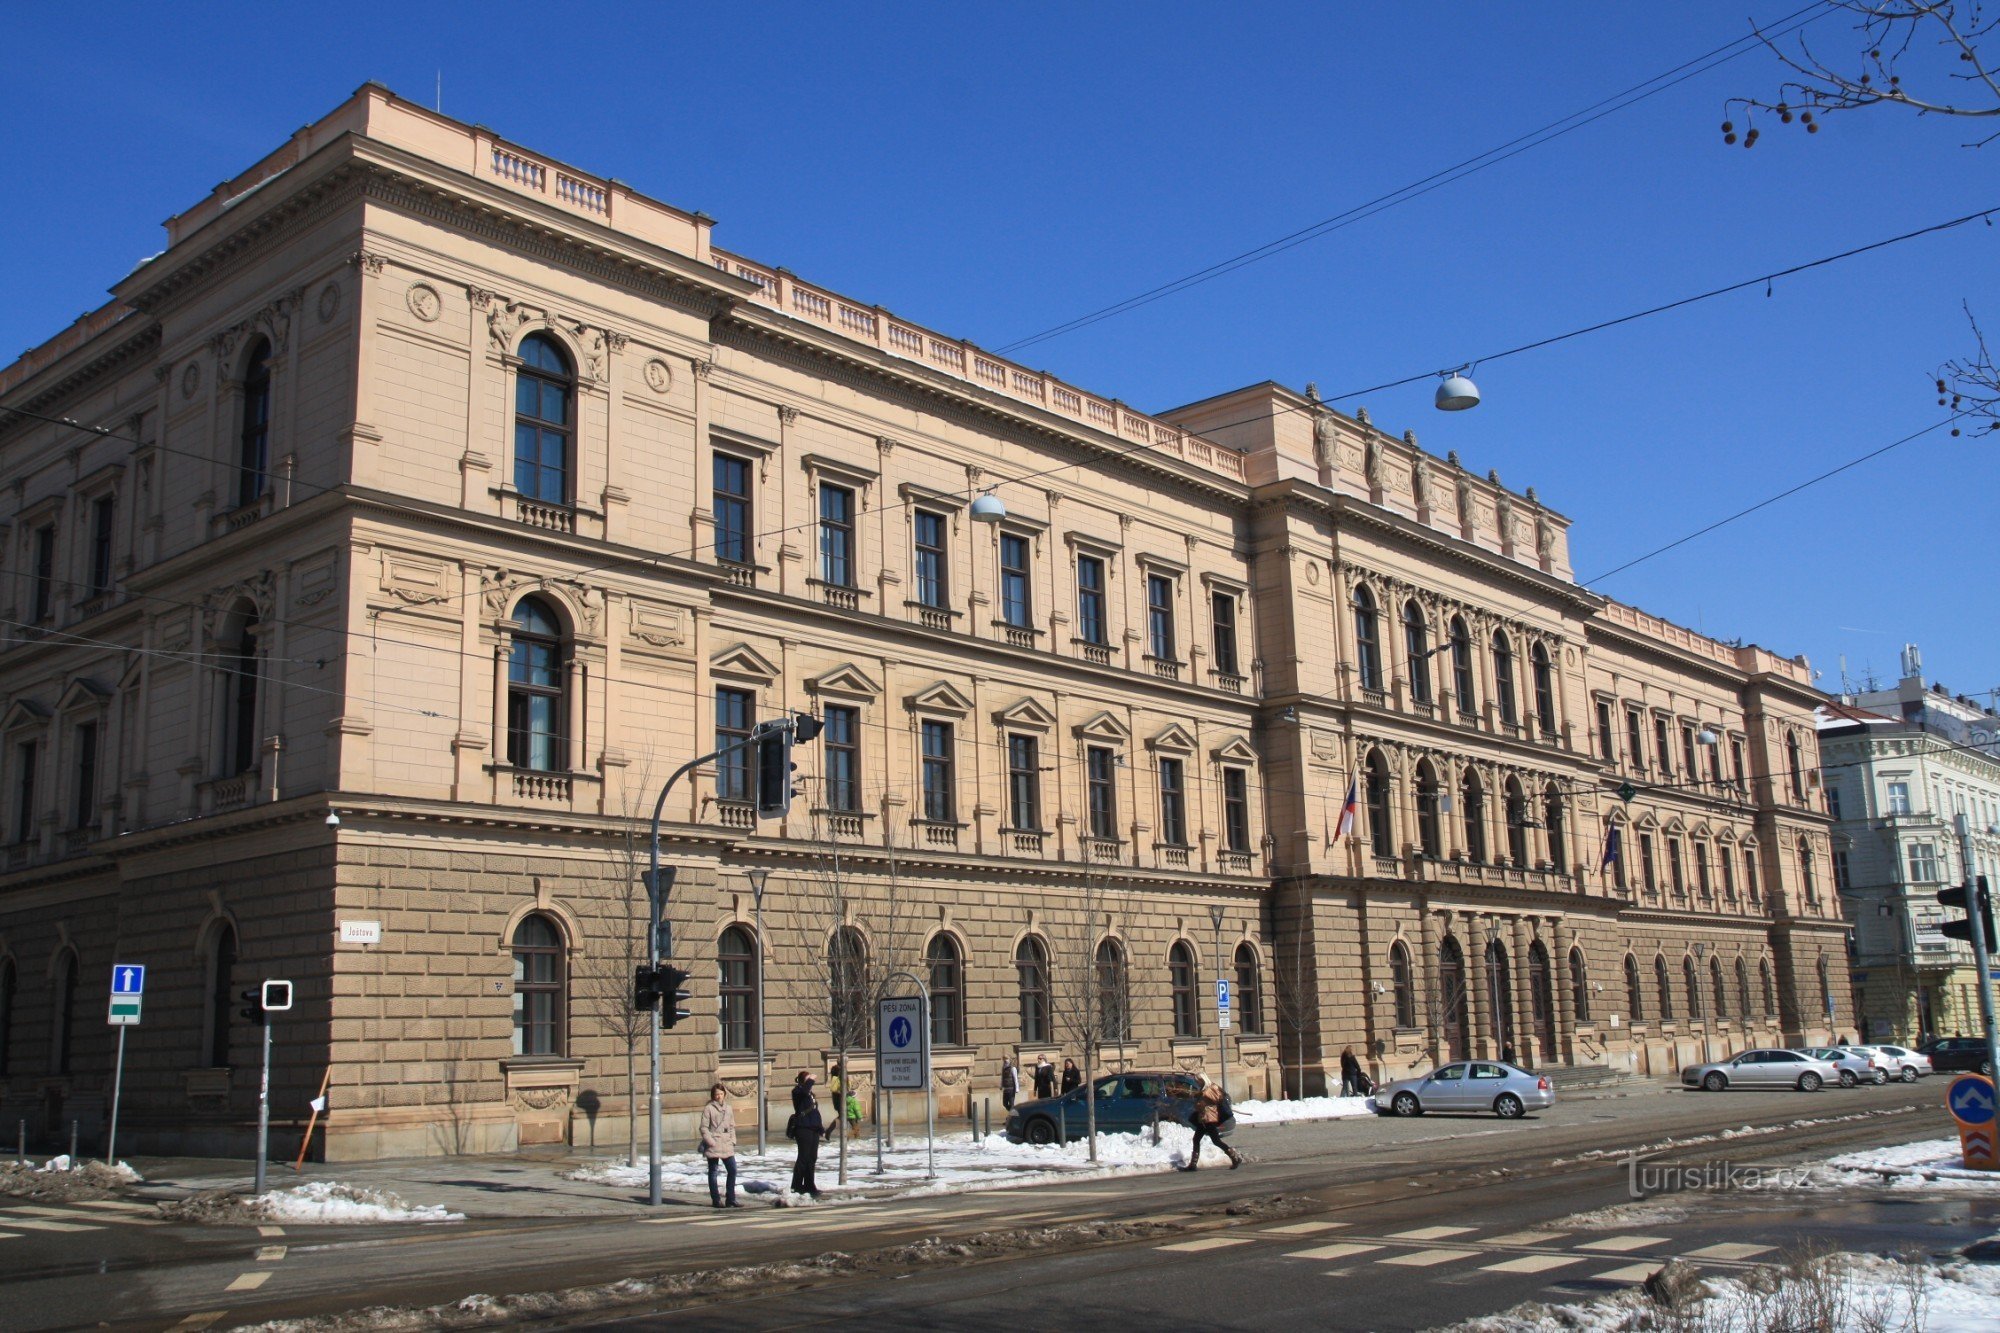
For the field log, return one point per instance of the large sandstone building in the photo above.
(384, 544)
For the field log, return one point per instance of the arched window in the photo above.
(947, 982)
(1770, 991)
(1453, 999)
(1187, 1005)
(1720, 990)
(1031, 961)
(736, 966)
(847, 970)
(1793, 766)
(1404, 984)
(1692, 980)
(1743, 989)
(1545, 690)
(1248, 1001)
(535, 704)
(1517, 822)
(253, 436)
(1430, 803)
(1114, 993)
(544, 420)
(1635, 994)
(1579, 984)
(1666, 983)
(1472, 795)
(1380, 835)
(1503, 678)
(1417, 647)
(221, 994)
(1806, 880)
(1464, 697)
(1499, 994)
(62, 996)
(6, 1013)
(1825, 990)
(1367, 639)
(240, 669)
(541, 988)
(1552, 817)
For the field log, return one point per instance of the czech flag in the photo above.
(1613, 847)
(1347, 809)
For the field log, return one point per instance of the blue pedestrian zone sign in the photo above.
(1971, 1101)
(128, 979)
(900, 1032)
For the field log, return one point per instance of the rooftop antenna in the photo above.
(439, 107)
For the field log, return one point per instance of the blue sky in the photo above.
(992, 171)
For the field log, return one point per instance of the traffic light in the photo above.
(774, 770)
(670, 984)
(254, 1010)
(645, 988)
(806, 727)
(1955, 896)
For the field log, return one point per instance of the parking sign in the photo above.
(1222, 1002)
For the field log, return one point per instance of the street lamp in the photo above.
(1456, 393)
(757, 878)
(988, 508)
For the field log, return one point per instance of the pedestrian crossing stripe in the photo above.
(1629, 1273)
(1622, 1244)
(1431, 1233)
(43, 1224)
(1533, 1263)
(1525, 1238)
(1332, 1251)
(1730, 1252)
(1302, 1228)
(1208, 1243)
(1427, 1258)
(87, 1219)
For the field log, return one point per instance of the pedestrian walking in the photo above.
(805, 1128)
(1350, 1074)
(1045, 1077)
(851, 1106)
(718, 1143)
(1072, 1077)
(1507, 1053)
(1206, 1120)
(1010, 1082)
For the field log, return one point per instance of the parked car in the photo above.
(1910, 1066)
(1855, 1066)
(1884, 1064)
(1768, 1068)
(1958, 1055)
(1126, 1104)
(1468, 1085)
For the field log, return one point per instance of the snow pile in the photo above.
(120, 1172)
(1930, 1163)
(331, 1201)
(1302, 1108)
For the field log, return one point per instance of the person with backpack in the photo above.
(1211, 1108)
(804, 1128)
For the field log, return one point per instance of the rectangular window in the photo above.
(1649, 874)
(1833, 803)
(44, 593)
(940, 804)
(1923, 862)
(1160, 616)
(85, 813)
(933, 588)
(1702, 883)
(1736, 764)
(1024, 783)
(1674, 870)
(1688, 765)
(1173, 803)
(1235, 810)
(735, 714)
(1728, 877)
(1663, 753)
(1841, 883)
(103, 512)
(841, 742)
(1222, 619)
(1016, 606)
(1750, 874)
(1099, 768)
(1899, 798)
(1715, 763)
(732, 509)
(1090, 624)
(836, 536)
(1635, 739)
(25, 756)
(1607, 744)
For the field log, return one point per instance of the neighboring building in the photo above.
(1901, 765)
(463, 496)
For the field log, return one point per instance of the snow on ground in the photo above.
(331, 1201)
(63, 1163)
(963, 1163)
(1302, 1108)
(1930, 1164)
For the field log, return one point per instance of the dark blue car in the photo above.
(1126, 1104)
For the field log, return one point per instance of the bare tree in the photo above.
(1898, 45)
(1089, 989)
(1971, 384)
(1297, 994)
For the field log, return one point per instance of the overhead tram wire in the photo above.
(1548, 133)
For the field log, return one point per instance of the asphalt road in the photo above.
(1423, 1221)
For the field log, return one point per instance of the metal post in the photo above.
(1221, 1030)
(72, 1143)
(264, 1108)
(757, 879)
(1978, 932)
(117, 1087)
(21, 1141)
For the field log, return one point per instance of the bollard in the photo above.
(72, 1143)
(1156, 1126)
(1062, 1124)
(21, 1142)
(985, 1108)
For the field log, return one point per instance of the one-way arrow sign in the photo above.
(128, 979)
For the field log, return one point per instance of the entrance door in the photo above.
(1500, 998)
(1451, 1001)
(1542, 996)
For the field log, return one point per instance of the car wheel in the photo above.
(1847, 1078)
(1809, 1082)
(1406, 1104)
(1715, 1082)
(1507, 1106)
(1041, 1131)
(1909, 1073)
(1881, 1077)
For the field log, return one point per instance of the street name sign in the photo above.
(903, 1038)
(361, 932)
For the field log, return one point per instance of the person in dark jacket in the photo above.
(1010, 1081)
(1045, 1077)
(805, 1106)
(1350, 1074)
(1507, 1054)
(1205, 1119)
(1072, 1077)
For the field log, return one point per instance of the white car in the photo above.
(1909, 1065)
(1856, 1067)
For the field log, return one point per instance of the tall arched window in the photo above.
(1718, 988)
(240, 669)
(544, 420)
(1635, 994)
(1545, 690)
(541, 988)
(1453, 1000)
(1825, 990)
(1806, 879)
(253, 436)
(535, 705)
(1692, 980)
(1794, 767)
(1403, 983)
(1380, 835)
(847, 970)
(1517, 822)
(1770, 991)
(1187, 1004)
(1666, 983)
(1558, 834)
(1579, 984)
(1430, 804)
(1114, 993)
(736, 968)
(1464, 697)
(1248, 1001)
(1367, 639)
(62, 996)
(221, 994)
(947, 982)
(1031, 961)
(6, 1013)
(1417, 647)
(1472, 795)
(1743, 989)
(1503, 678)
(1499, 994)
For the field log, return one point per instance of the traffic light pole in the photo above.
(1976, 912)
(264, 1108)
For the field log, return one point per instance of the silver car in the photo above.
(1856, 1067)
(1469, 1085)
(1768, 1068)
(1908, 1065)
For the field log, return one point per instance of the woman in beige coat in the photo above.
(718, 1143)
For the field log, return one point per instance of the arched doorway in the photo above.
(1500, 997)
(1541, 994)
(1451, 1001)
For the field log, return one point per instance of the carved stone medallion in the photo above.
(659, 378)
(423, 302)
(190, 380)
(329, 303)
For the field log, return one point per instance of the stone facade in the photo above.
(449, 500)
